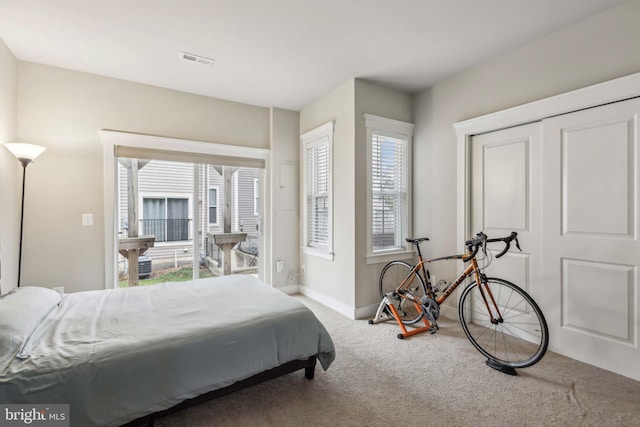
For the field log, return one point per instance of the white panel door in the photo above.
(506, 196)
(591, 248)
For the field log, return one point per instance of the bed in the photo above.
(119, 355)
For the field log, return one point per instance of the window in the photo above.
(166, 218)
(388, 184)
(318, 213)
(213, 206)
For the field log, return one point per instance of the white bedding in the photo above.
(120, 354)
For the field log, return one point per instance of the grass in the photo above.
(171, 275)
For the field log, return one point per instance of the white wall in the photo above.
(389, 103)
(332, 282)
(63, 110)
(599, 49)
(10, 180)
(285, 207)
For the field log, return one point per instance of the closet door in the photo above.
(591, 247)
(506, 196)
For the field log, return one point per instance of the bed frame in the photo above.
(309, 366)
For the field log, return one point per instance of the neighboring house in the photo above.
(165, 202)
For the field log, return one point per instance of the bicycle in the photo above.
(499, 318)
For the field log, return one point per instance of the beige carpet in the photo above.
(426, 380)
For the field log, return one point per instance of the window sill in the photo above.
(316, 253)
(389, 256)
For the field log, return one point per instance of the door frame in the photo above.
(110, 139)
(615, 90)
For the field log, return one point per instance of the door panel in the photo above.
(591, 248)
(597, 179)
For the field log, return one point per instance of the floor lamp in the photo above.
(26, 153)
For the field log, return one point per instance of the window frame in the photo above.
(376, 125)
(179, 150)
(322, 135)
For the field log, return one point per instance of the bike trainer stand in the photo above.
(383, 315)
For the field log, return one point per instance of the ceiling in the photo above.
(281, 53)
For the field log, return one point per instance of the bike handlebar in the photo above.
(481, 240)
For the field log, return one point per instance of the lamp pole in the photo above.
(25, 163)
(25, 153)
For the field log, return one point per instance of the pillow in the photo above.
(21, 311)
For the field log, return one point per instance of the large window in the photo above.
(388, 183)
(318, 213)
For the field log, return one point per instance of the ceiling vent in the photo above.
(190, 57)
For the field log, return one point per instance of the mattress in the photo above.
(119, 354)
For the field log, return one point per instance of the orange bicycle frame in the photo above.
(471, 269)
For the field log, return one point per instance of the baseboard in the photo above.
(289, 289)
(333, 304)
(367, 312)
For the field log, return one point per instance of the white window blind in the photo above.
(389, 191)
(318, 195)
(318, 221)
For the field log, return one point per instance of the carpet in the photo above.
(425, 380)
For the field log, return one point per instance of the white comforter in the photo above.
(117, 355)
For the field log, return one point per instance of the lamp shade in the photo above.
(23, 151)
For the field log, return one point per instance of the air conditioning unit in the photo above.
(144, 267)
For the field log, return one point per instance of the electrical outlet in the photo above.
(279, 266)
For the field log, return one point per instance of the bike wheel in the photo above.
(393, 274)
(518, 337)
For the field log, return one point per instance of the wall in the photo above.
(601, 48)
(63, 110)
(285, 206)
(332, 282)
(381, 101)
(10, 176)
(348, 284)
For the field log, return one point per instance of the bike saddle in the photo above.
(417, 240)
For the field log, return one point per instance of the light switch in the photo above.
(87, 219)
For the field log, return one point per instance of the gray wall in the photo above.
(63, 110)
(284, 215)
(10, 174)
(598, 49)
